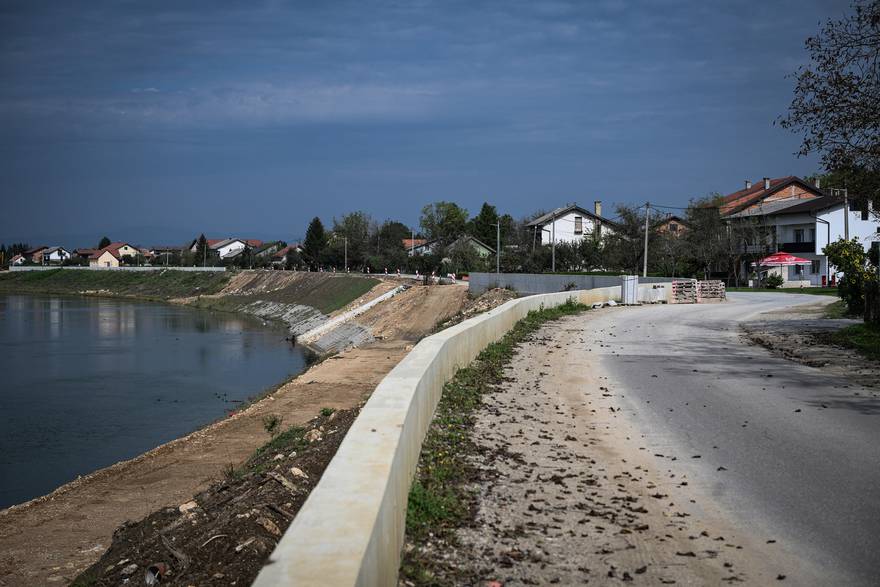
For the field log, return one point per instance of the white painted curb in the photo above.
(350, 530)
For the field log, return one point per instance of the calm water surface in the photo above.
(86, 382)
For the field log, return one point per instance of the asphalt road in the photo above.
(798, 449)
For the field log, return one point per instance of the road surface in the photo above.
(785, 451)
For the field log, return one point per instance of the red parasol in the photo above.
(782, 259)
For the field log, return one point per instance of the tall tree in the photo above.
(315, 241)
(355, 227)
(836, 104)
(105, 242)
(201, 254)
(482, 225)
(443, 221)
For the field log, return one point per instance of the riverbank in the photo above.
(52, 539)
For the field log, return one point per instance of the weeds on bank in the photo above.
(863, 338)
(283, 442)
(439, 500)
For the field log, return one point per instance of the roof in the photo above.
(34, 250)
(112, 248)
(84, 251)
(541, 220)
(739, 200)
(814, 205)
(51, 250)
(219, 244)
(283, 252)
(409, 243)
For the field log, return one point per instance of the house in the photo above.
(793, 216)
(113, 254)
(671, 225)
(35, 255)
(55, 255)
(279, 258)
(268, 249)
(163, 254)
(226, 248)
(435, 246)
(83, 253)
(411, 243)
(16, 260)
(571, 224)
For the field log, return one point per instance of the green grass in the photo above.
(819, 291)
(153, 285)
(335, 292)
(439, 501)
(863, 338)
(289, 440)
(837, 309)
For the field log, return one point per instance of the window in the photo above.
(799, 270)
(798, 235)
(814, 266)
(812, 235)
(578, 225)
(673, 227)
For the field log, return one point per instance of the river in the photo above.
(87, 382)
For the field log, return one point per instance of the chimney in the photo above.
(766, 183)
(748, 185)
(597, 207)
(818, 183)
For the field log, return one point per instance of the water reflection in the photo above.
(113, 379)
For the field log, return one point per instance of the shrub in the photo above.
(774, 281)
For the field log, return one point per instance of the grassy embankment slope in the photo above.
(154, 285)
(322, 291)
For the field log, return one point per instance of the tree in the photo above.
(356, 228)
(707, 237)
(105, 242)
(201, 253)
(850, 258)
(443, 221)
(836, 104)
(315, 241)
(482, 226)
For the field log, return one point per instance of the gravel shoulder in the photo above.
(569, 494)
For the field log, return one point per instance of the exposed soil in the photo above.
(802, 334)
(52, 539)
(488, 300)
(223, 535)
(564, 495)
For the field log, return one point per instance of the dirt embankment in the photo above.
(52, 539)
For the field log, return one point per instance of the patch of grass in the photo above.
(819, 291)
(327, 412)
(439, 500)
(153, 285)
(336, 292)
(836, 309)
(272, 423)
(284, 442)
(863, 338)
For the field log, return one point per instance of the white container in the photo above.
(629, 289)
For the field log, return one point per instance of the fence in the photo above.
(541, 283)
(350, 531)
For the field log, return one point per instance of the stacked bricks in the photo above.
(711, 291)
(684, 291)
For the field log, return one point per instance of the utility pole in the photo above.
(845, 213)
(498, 248)
(645, 260)
(345, 245)
(412, 242)
(553, 246)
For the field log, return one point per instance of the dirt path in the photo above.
(568, 495)
(51, 539)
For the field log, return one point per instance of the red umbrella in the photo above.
(782, 259)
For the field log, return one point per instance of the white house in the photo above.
(801, 219)
(570, 224)
(434, 246)
(228, 248)
(55, 255)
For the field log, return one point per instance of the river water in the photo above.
(86, 382)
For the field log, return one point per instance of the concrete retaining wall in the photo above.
(78, 268)
(350, 530)
(539, 283)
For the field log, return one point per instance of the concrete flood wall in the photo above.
(350, 531)
(539, 283)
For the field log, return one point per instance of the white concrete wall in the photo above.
(350, 530)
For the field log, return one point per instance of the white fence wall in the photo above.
(350, 530)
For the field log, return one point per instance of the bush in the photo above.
(774, 281)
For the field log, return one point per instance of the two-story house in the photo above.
(797, 217)
(570, 224)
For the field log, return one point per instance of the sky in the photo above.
(154, 121)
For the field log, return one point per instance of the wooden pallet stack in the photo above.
(684, 291)
(711, 290)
